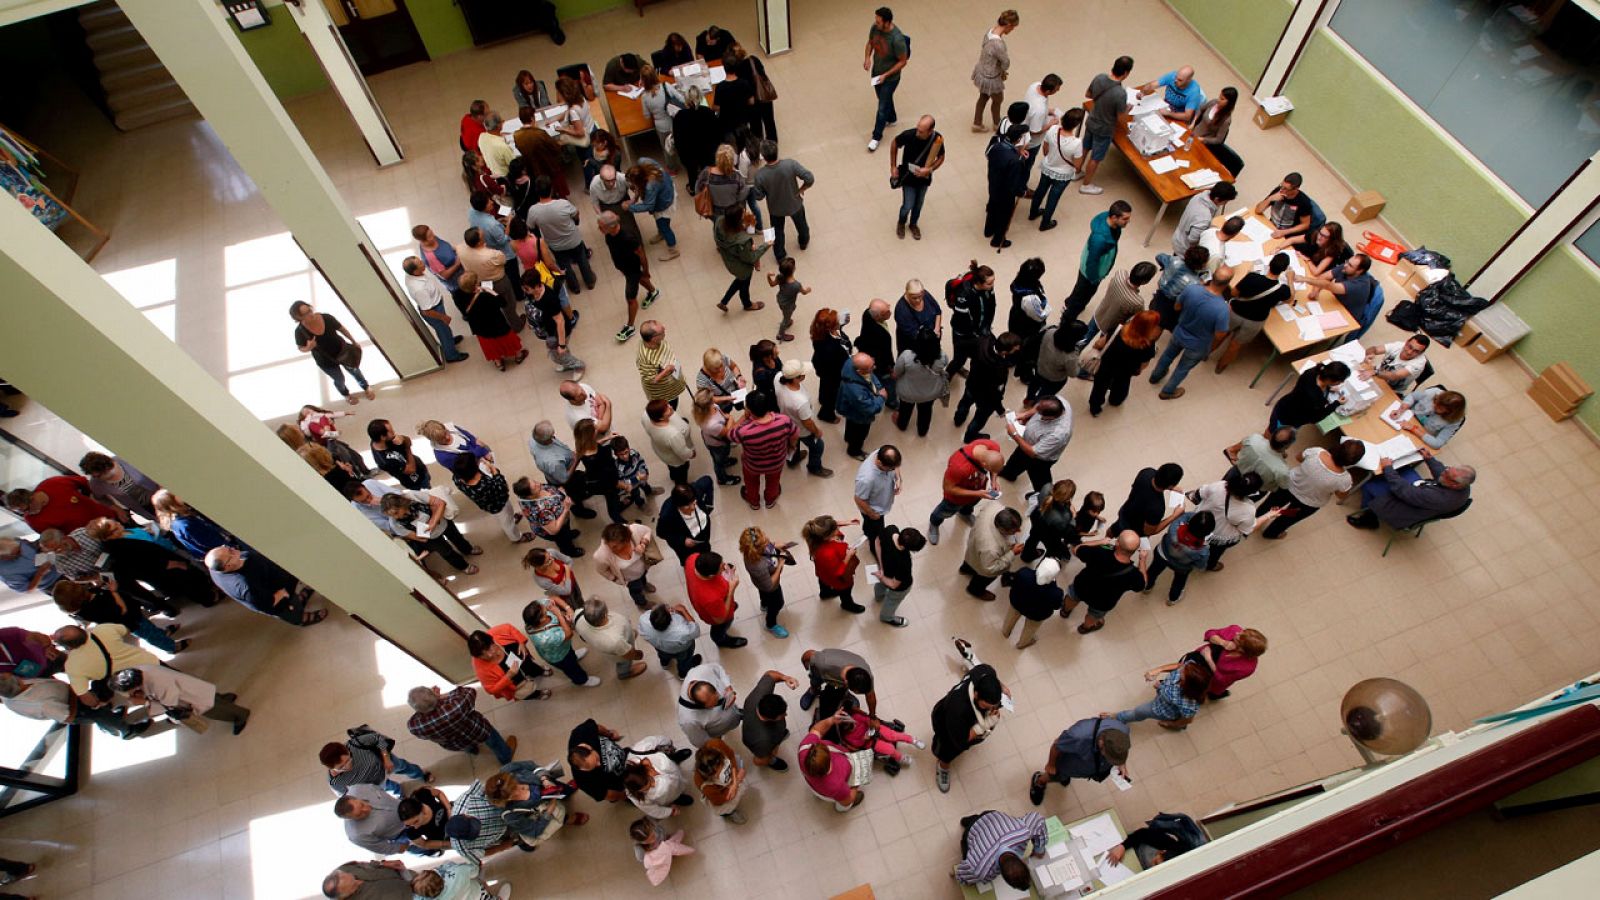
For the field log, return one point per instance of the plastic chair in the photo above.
(1416, 530)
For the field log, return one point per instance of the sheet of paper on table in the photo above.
(872, 574)
(1284, 311)
(1201, 179)
(1350, 353)
(1256, 230)
(1314, 307)
(1149, 103)
(1113, 873)
(1330, 320)
(1099, 834)
(1237, 252)
(1397, 415)
(632, 93)
(1310, 329)
(1161, 165)
(719, 75)
(1063, 873)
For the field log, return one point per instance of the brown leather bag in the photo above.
(702, 203)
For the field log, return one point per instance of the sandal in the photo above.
(470, 570)
(313, 617)
(1090, 629)
(580, 818)
(759, 304)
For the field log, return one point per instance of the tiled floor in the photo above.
(1480, 614)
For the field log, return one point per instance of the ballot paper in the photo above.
(877, 80)
(1310, 329)
(1284, 311)
(1175, 500)
(1396, 415)
(857, 544)
(739, 395)
(872, 575)
(719, 75)
(1399, 449)
(632, 93)
(1122, 783)
(1238, 252)
(1149, 103)
(1161, 165)
(504, 210)
(769, 234)
(1011, 419)
(1112, 873)
(1062, 873)
(1314, 307)
(1255, 229)
(1200, 179)
(1099, 834)
(1330, 320)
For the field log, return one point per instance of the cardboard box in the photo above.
(1565, 384)
(1402, 271)
(1552, 408)
(1484, 348)
(1265, 121)
(1363, 206)
(1469, 333)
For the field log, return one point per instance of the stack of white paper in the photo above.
(1284, 311)
(1161, 165)
(1276, 105)
(632, 93)
(1112, 873)
(1239, 252)
(1200, 179)
(1099, 834)
(1256, 230)
(1310, 329)
(1138, 106)
(1349, 353)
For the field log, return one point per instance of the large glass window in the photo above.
(1518, 84)
(1588, 243)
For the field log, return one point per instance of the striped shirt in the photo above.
(994, 835)
(651, 361)
(765, 441)
(79, 562)
(473, 803)
(366, 763)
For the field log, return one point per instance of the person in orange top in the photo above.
(719, 774)
(711, 584)
(60, 501)
(836, 564)
(505, 665)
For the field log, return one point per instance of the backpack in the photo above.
(1318, 217)
(955, 284)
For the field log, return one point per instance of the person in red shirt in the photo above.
(711, 583)
(61, 501)
(1231, 654)
(836, 564)
(968, 478)
(472, 125)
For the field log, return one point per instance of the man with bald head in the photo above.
(1111, 567)
(1183, 94)
(969, 477)
(387, 880)
(861, 397)
(627, 254)
(877, 341)
(1401, 498)
(1203, 326)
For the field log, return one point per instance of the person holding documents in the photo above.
(1315, 394)
(993, 845)
(1182, 94)
(1439, 414)
(1401, 499)
(1351, 283)
(888, 51)
(1400, 363)
(1253, 300)
(1090, 749)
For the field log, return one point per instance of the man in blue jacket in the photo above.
(861, 398)
(1008, 180)
(1099, 256)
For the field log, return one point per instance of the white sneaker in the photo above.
(1091, 189)
(915, 742)
(872, 145)
(580, 652)
(736, 817)
(933, 534)
(503, 892)
(594, 681)
(905, 761)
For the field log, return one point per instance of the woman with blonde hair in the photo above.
(332, 471)
(721, 376)
(835, 563)
(729, 190)
(450, 441)
(713, 424)
(192, 530)
(765, 562)
(1053, 526)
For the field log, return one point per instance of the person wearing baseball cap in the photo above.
(1091, 748)
(794, 402)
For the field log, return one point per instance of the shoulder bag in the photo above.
(905, 167)
(765, 92)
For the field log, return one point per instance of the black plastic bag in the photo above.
(1445, 307)
(1431, 259)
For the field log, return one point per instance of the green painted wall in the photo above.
(1556, 299)
(280, 52)
(441, 25)
(1362, 126)
(1243, 31)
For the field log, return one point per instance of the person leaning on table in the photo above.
(1400, 499)
(995, 845)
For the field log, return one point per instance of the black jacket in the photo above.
(1305, 404)
(990, 370)
(877, 341)
(971, 311)
(1008, 171)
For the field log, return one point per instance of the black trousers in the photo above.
(902, 416)
(1077, 301)
(962, 348)
(771, 605)
(992, 403)
(1109, 383)
(1293, 511)
(997, 217)
(872, 528)
(1039, 470)
(451, 545)
(678, 474)
(976, 583)
(855, 435)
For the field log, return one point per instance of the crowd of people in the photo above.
(121, 555)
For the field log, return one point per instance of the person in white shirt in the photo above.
(1061, 149)
(178, 695)
(796, 404)
(669, 436)
(1213, 240)
(1229, 503)
(1400, 363)
(584, 402)
(1041, 116)
(429, 294)
(1045, 431)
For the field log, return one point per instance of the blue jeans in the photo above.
(664, 225)
(946, 509)
(1139, 714)
(721, 460)
(814, 446)
(498, 746)
(1047, 194)
(911, 197)
(338, 377)
(886, 113)
(755, 208)
(637, 592)
(1094, 329)
(401, 767)
(1186, 361)
(447, 339)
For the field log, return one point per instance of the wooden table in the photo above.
(1131, 860)
(1169, 187)
(626, 116)
(1367, 425)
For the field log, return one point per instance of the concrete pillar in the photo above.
(348, 82)
(82, 350)
(206, 59)
(1563, 217)
(1308, 16)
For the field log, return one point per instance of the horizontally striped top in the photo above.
(765, 441)
(651, 361)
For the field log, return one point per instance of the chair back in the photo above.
(1427, 372)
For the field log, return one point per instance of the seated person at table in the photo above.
(1439, 414)
(713, 43)
(1351, 283)
(622, 72)
(1183, 94)
(1253, 298)
(1399, 363)
(675, 52)
(1164, 837)
(1316, 394)
(1325, 249)
(1213, 240)
(994, 845)
(1401, 498)
(1288, 209)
